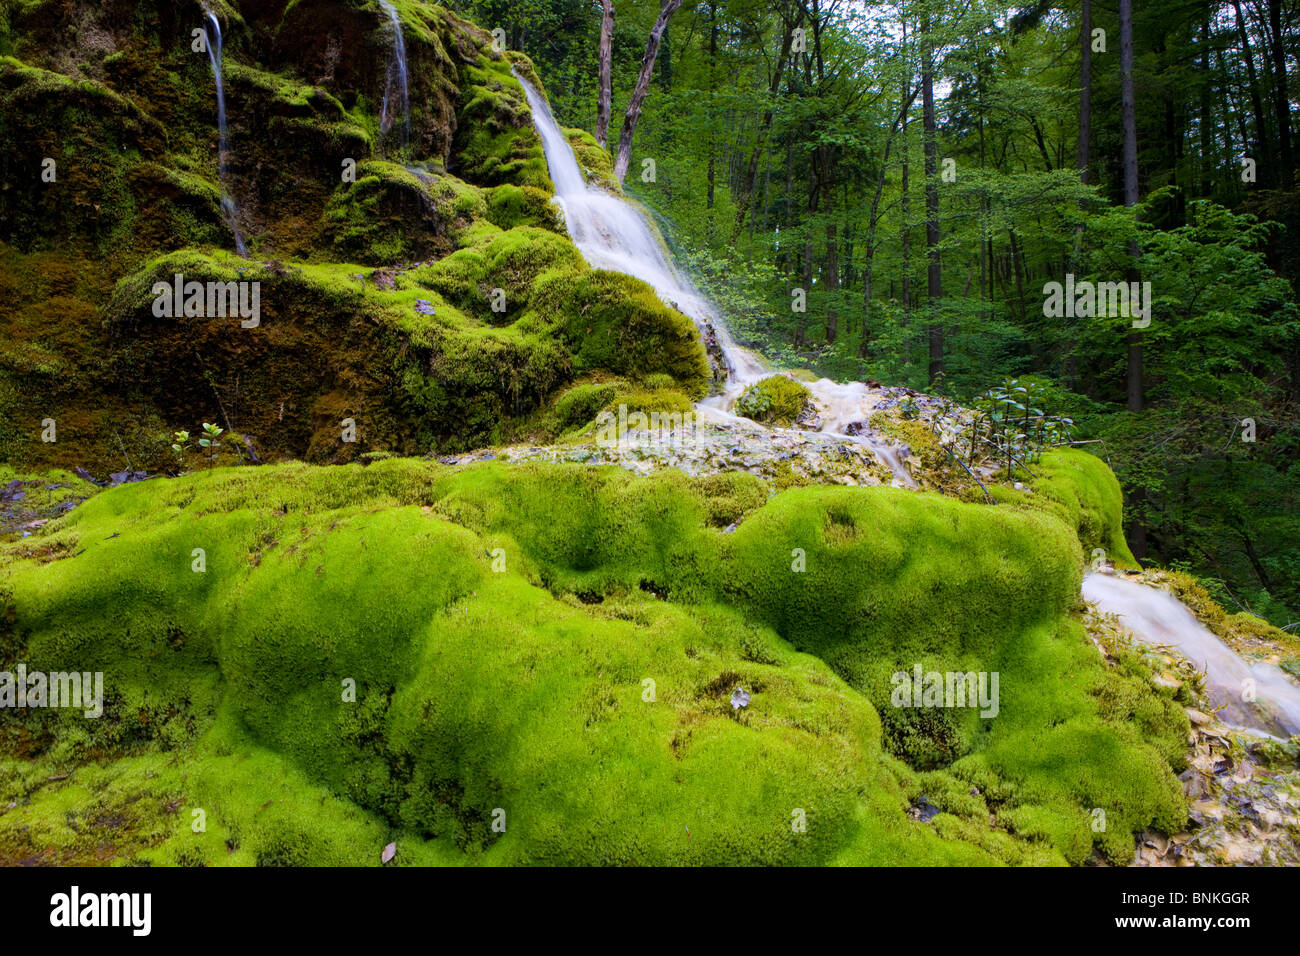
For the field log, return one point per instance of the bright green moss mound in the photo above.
(554, 647)
(1083, 492)
(777, 399)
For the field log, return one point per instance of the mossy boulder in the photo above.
(1083, 492)
(776, 400)
(495, 141)
(615, 322)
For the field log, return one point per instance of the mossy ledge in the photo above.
(397, 273)
(555, 646)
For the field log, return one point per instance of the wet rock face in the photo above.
(346, 50)
(719, 368)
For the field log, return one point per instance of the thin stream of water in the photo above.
(396, 72)
(228, 208)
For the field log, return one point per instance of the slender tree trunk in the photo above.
(906, 230)
(1263, 146)
(801, 317)
(1282, 100)
(1085, 92)
(832, 281)
(745, 194)
(1206, 122)
(931, 146)
(606, 84)
(1137, 527)
(1129, 110)
(666, 9)
(713, 62)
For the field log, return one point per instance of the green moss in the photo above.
(514, 262)
(596, 163)
(1085, 494)
(510, 206)
(500, 625)
(777, 399)
(393, 213)
(615, 322)
(495, 139)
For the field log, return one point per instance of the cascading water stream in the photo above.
(396, 72)
(613, 234)
(228, 208)
(1157, 617)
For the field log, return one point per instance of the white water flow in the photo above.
(613, 234)
(223, 148)
(1157, 617)
(397, 76)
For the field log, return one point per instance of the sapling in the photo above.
(210, 441)
(180, 446)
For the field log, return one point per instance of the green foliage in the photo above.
(1011, 428)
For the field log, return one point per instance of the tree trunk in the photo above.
(832, 281)
(713, 59)
(935, 330)
(1263, 145)
(745, 194)
(1137, 527)
(1206, 122)
(666, 9)
(1280, 96)
(1129, 109)
(1085, 92)
(606, 83)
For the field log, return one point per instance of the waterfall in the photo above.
(1157, 617)
(613, 234)
(396, 71)
(228, 209)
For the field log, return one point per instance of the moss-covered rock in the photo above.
(555, 647)
(776, 400)
(615, 322)
(479, 314)
(392, 213)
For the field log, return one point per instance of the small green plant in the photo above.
(209, 441)
(1010, 425)
(180, 445)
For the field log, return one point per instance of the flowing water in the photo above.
(228, 208)
(613, 234)
(1157, 617)
(397, 76)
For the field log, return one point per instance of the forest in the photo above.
(924, 170)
